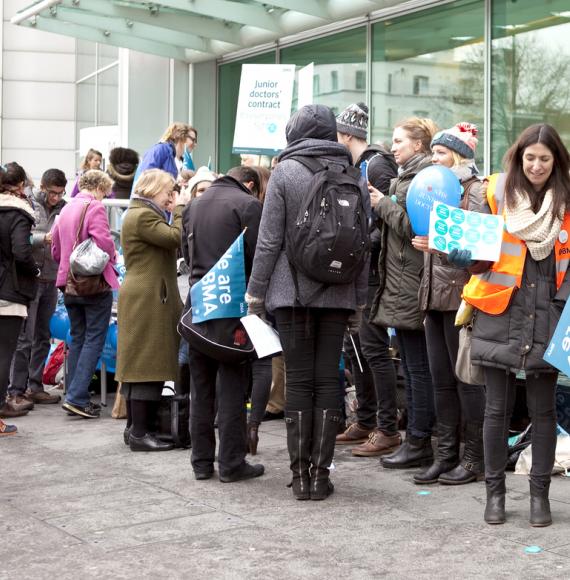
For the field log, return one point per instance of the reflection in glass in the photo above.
(429, 64)
(108, 97)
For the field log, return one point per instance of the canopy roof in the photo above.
(191, 30)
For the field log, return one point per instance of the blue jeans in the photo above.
(419, 389)
(89, 318)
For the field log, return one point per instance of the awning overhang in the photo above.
(189, 30)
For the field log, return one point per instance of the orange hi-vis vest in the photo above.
(491, 291)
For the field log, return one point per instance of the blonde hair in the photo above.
(177, 132)
(152, 182)
(90, 154)
(419, 129)
(94, 179)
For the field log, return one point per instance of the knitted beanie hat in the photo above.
(354, 121)
(203, 174)
(462, 139)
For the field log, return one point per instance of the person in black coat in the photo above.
(18, 273)
(212, 222)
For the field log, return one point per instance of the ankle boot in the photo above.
(299, 436)
(495, 508)
(540, 516)
(413, 452)
(325, 429)
(252, 437)
(471, 467)
(447, 455)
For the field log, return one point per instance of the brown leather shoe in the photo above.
(354, 434)
(378, 444)
(7, 411)
(43, 397)
(20, 403)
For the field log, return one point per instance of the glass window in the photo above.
(429, 62)
(360, 80)
(106, 55)
(228, 91)
(337, 58)
(86, 62)
(530, 70)
(108, 97)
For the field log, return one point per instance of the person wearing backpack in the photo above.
(377, 427)
(396, 302)
(313, 182)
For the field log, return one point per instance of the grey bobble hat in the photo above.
(354, 121)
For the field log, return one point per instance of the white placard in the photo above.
(305, 86)
(264, 107)
(264, 337)
(454, 228)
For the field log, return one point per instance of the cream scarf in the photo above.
(538, 231)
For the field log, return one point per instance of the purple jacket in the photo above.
(96, 226)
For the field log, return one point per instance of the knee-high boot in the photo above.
(299, 436)
(325, 429)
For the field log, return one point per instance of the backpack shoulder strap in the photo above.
(311, 163)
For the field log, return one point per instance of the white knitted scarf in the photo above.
(538, 231)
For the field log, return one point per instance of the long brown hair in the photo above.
(559, 180)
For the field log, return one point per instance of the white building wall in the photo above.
(37, 107)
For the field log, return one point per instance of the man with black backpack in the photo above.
(373, 370)
(310, 270)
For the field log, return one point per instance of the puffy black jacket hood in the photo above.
(311, 122)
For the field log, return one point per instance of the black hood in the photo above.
(311, 122)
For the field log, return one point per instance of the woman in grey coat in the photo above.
(311, 335)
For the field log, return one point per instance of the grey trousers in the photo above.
(34, 342)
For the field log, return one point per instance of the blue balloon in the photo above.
(435, 183)
(59, 323)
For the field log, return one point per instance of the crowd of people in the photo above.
(402, 287)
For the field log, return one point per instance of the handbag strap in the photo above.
(86, 205)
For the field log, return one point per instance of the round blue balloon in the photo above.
(59, 323)
(432, 184)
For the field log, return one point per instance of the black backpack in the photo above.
(329, 243)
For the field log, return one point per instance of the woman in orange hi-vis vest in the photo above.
(517, 303)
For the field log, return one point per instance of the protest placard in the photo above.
(454, 228)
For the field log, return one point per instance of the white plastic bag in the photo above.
(88, 259)
(561, 459)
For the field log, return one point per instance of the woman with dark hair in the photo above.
(518, 302)
(18, 275)
(396, 304)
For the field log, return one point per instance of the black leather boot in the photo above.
(299, 436)
(540, 516)
(325, 430)
(471, 467)
(252, 437)
(495, 508)
(413, 452)
(447, 455)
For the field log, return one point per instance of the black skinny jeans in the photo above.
(312, 344)
(453, 399)
(9, 331)
(541, 402)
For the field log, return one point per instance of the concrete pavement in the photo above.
(76, 503)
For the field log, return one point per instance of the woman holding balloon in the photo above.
(396, 303)
(440, 297)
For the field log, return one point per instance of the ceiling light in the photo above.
(565, 14)
(462, 38)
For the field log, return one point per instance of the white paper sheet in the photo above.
(264, 337)
(451, 227)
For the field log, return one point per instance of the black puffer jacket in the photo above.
(18, 270)
(518, 338)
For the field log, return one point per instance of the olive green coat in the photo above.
(149, 302)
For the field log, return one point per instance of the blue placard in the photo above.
(558, 351)
(220, 293)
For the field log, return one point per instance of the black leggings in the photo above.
(261, 374)
(312, 345)
(10, 330)
(541, 402)
(453, 399)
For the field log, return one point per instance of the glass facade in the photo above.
(97, 87)
(432, 63)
